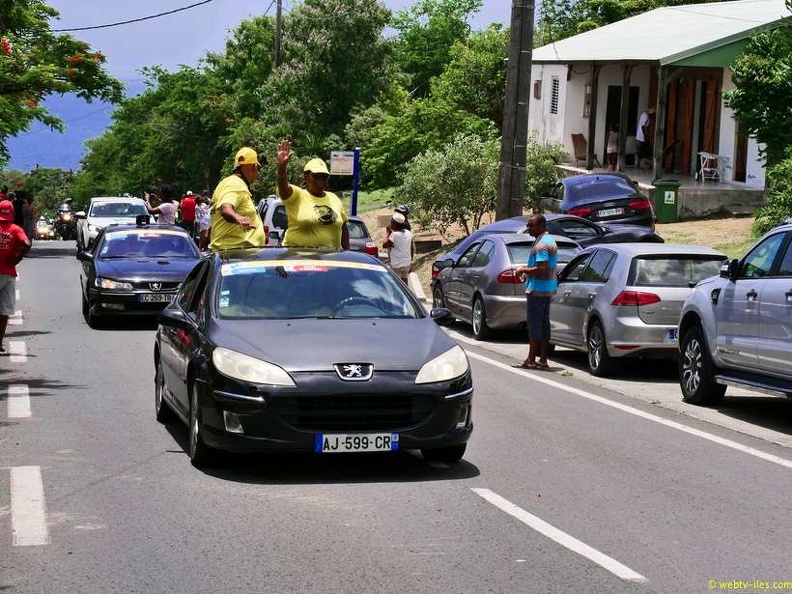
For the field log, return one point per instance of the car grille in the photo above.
(146, 286)
(358, 412)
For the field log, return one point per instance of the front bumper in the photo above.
(107, 302)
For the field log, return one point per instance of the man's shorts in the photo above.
(7, 295)
(538, 317)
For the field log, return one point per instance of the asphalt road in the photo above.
(568, 485)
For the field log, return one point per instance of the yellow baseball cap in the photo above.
(246, 156)
(316, 166)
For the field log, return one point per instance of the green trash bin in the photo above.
(666, 200)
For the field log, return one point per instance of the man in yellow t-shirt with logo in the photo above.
(235, 222)
(316, 216)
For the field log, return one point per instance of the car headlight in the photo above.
(249, 369)
(106, 283)
(451, 364)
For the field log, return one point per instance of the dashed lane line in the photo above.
(18, 401)
(18, 351)
(565, 540)
(28, 510)
(16, 319)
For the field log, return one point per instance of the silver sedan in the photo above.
(482, 289)
(624, 300)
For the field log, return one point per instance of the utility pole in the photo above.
(514, 134)
(278, 19)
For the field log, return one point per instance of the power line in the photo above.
(145, 18)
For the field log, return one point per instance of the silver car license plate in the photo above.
(332, 443)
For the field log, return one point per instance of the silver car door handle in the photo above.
(788, 295)
(591, 297)
(752, 295)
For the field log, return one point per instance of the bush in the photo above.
(778, 204)
(540, 169)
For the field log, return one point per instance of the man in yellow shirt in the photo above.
(235, 222)
(316, 217)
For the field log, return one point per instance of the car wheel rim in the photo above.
(691, 366)
(438, 298)
(595, 347)
(478, 315)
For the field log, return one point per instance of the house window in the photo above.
(554, 90)
(537, 89)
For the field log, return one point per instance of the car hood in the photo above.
(315, 345)
(149, 268)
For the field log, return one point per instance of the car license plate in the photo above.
(672, 334)
(333, 443)
(156, 298)
(611, 212)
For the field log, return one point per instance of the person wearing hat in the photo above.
(316, 216)
(14, 244)
(400, 246)
(187, 211)
(235, 222)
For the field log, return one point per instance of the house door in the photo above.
(740, 154)
(613, 115)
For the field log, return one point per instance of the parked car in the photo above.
(601, 197)
(623, 300)
(481, 288)
(273, 216)
(323, 352)
(580, 230)
(134, 270)
(736, 328)
(104, 211)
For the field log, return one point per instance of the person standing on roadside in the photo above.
(167, 208)
(18, 200)
(400, 246)
(202, 220)
(29, 217)
(187, 207)
(14, 244)
(316, 216)
(540, 285)
(235, 222)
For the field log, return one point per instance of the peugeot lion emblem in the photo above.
(155, 286)
(354, 372)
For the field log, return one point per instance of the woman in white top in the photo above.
(399, 242)
(167, 208)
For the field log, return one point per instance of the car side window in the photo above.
(573, 271)
(785, 268)
(600, 267)
(466, 259)
(279, 218)
(482, 257)
(190, 287)
(758, 261)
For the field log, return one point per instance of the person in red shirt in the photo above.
(188, 213)
(14, 244)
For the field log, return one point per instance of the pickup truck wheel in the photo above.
(695, 370)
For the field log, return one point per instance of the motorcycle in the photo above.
(66, 223)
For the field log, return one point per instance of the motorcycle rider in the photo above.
(65, 223)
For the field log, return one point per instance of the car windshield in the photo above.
(357, 230)
(293, 289)
(672, 270)
(117, 209)
(597, 188)
(148, 244)
(519, 252)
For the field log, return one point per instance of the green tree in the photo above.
(35, 62)
(778, 204)
(762, 101)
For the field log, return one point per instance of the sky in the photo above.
(170, 40)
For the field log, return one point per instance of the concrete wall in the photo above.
(754, 172)
(548, 127)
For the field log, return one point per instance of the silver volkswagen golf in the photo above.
(624, 300)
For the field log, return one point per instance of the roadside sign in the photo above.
(342, 162)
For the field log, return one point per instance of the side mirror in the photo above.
(85, 256)
(80, 214)
(173, 316)
(442, 316)
(729, 269)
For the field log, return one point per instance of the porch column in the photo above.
(592, 124)
(621, 161)
(660, 123)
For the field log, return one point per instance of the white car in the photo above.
(104, 211)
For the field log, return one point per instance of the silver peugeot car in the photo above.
(624, 300)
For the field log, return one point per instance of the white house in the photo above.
(673, 59)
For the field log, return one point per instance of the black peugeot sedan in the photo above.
(278, 350)
(134, 270)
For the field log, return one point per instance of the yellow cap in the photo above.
(246, 156)
(316, 166)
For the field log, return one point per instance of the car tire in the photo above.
(600, 362)
(695, 370)
(201, 455)
(478, 319)
(448, 455)
(164, 412)
(438, 299)
(94, 321)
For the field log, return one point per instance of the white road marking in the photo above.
(28, 516)
(536, 376)
(565, 540)
(18, 351)
(18, 401)
(16, 319)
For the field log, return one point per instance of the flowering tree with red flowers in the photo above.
(36, 62)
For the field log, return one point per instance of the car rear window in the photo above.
(598, 189)
(519, 252)
(295, 289)
(672, 271)
(357, 230)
